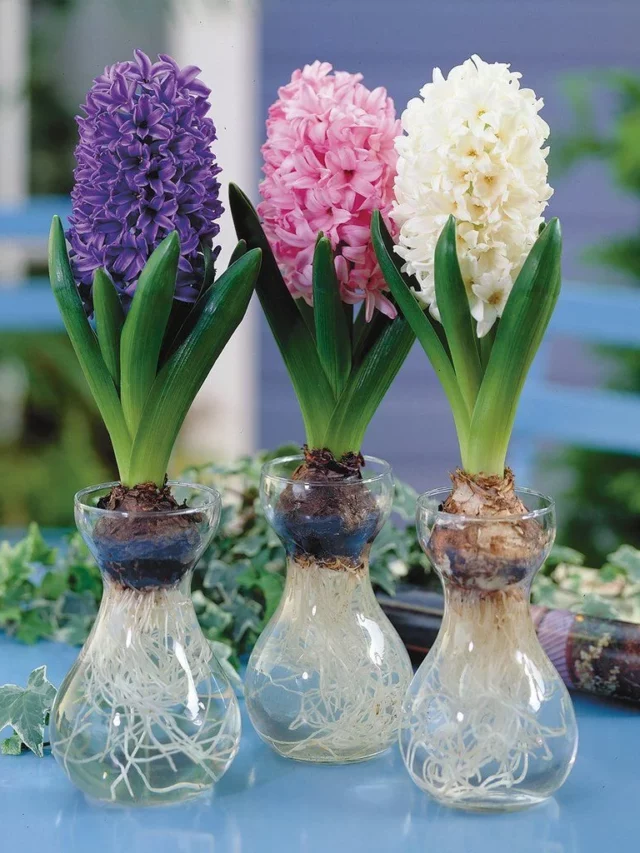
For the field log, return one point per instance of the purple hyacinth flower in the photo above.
(144, 168)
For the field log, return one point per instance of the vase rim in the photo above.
(426, 500)
(211, 499)
(385, 471)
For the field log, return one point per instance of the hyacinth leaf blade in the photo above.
(518, 337)
(367, 387)
(365, 334)
(486, 345)
(177, 334)
(240, 250)
(423, 327)
(288, 326)
(209, 266)
(86, 347)
(333, 340)
(453, 304)
(181, 378)
(109, 318)
(145, 326)
(306, 312)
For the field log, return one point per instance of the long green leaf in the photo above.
(182, 376)
(367, 386)
(453, 304)
(86, 347)
(365, 334)
(520, 332)
(109, 321)
(184, 317)
(145, 327)
(287, 324)
(422, 325)
(333, 340)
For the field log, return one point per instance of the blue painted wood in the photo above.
(31, 307)
(586, 417)
(32, 219)
(598, 314)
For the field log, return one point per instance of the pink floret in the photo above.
(329, 162)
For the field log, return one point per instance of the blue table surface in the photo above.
(267, 803)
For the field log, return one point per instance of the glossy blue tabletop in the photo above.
(267, 803)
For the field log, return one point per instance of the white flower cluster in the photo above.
(473, 148)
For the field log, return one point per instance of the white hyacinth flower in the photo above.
(473, 147)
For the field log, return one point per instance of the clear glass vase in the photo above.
(326, 678)
(487, 722)
(146, 715)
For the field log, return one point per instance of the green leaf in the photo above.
(145, 326)
(422, 325)
(182, 376)
(287, 324)
(25, 709)
(628, 558)
(86, 347)
(520, 332)
(209, 266)
(11, 745)
(453, 304)
(333, 340)
(367, 386)
(109, 321)
(365, 334)
(240, 250)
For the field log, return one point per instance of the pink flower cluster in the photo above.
(329, 161)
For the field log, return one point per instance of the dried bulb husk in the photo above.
(487, 556)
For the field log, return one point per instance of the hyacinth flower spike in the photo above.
(326, 678)
(329, 162)
(141, 260)
(475, 251)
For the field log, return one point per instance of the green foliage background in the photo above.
(602, 507)
(60, 444)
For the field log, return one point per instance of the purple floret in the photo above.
(144, 168)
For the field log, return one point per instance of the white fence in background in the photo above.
(14, 128)
(222, 39)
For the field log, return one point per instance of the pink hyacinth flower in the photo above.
(329, 162)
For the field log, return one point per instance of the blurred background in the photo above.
(578, 432)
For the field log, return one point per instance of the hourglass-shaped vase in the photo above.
(326, 678)
(487, 721)
(146, 715)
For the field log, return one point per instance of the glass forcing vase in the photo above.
(326, 678)
(487, 722)
(146, 715)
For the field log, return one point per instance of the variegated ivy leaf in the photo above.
(26, 709)
(627, 558)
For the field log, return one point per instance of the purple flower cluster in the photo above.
(144, 168)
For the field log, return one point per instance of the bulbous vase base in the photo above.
(326, 680)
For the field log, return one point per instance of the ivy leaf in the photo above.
(562, 554)
(25, 709)
(628, 558)
(11, 745)
(246, 616)
(404, 501)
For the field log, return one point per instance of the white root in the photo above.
(487, 708)
(147, 699)
(333, 661)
